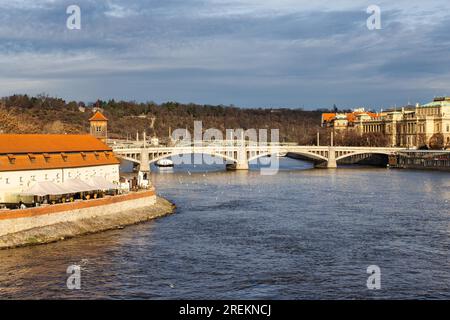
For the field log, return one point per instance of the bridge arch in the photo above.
(128, 159)
(213, 154)
(385, 153)
(312, 156)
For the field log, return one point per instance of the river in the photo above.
(301, 234)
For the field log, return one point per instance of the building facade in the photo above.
(26, 159)
(411, 126)
(345, 121)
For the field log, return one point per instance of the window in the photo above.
(12, 159)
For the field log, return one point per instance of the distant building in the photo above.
(154, 141)
(411, 126)
(343, 121)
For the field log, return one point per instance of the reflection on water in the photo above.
(303, 233)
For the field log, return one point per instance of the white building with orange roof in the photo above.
(30, 159)
(343, 121)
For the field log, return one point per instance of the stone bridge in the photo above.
(240, 154)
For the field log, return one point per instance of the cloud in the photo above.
(246, 52)
(118, 11)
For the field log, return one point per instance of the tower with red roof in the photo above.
(99, 126)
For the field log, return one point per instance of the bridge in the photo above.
(240, 153)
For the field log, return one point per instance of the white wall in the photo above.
(14, 182)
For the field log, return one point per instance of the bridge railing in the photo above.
(271, 147)
(201, 144)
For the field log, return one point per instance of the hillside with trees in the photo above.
(44, 114)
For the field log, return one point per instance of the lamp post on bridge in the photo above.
(332, 139)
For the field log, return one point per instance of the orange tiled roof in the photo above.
(98, 116)
(351, 117)
(49, 143)
(46, 161)
(328, 116)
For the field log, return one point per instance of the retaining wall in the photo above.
(12, 221)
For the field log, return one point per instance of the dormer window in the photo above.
(96, 155)
(83, 155)
(46, 157)
(64, 157)
(32, 157)
(11, 158)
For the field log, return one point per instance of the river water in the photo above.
(301, 234)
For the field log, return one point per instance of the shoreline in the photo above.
(65, 230)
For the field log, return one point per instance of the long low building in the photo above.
(29, 159)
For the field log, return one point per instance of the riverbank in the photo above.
(421, 160)
(86, 225)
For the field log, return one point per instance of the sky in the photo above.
(249, 53)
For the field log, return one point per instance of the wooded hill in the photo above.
(44, 114)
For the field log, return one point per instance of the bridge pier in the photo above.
(242, 158)
(144, 161)
(241, 165)
(331, 163)
(238, 165)
(240, 161)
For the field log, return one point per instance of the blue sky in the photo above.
(250, 53)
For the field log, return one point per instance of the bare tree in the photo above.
(437, 141)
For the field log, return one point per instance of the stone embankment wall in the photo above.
(91, 216)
